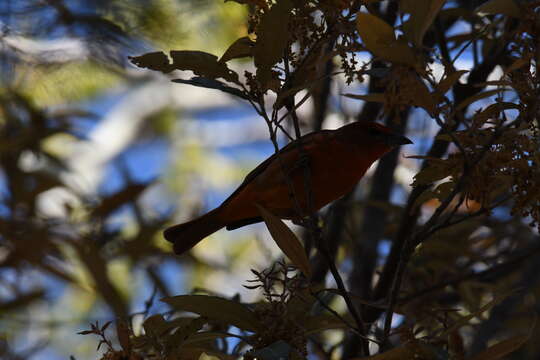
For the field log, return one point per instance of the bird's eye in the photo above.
(374, 131)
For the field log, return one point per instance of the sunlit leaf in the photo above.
(286, 240)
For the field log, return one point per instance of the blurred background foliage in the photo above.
(97, 157)
(89, 158)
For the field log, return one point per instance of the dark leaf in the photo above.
(105, 326)
(153, 61)
(286, 240)
(111, 203)
(272, 38)
(215, 308)
(421, 18)
(213, 84)
(380, 39)
(21, 301)
(242, 47)
(501, 349)
(276, 351)
(201, 63)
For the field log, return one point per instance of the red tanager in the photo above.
(337, 160)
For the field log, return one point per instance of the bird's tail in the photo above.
(187, 235)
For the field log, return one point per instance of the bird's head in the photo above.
(373, 134)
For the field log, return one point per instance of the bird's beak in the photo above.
(396, 140)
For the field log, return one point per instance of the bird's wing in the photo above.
(308, 141)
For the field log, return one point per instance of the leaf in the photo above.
(468, 101)
(437, 169)
(114, 201)
(286, 240)
(377, 97)
(201, 63)
(380, 39)
(494, 110)
(272, 39)
(213, 84)
(122, 333)
(421, 17)
(242, 47)
(189, 328)
(315, 324)
(205, 356)
(215, 308)
(466, 319)
(23, 300)
(156, 325)
(205, 336)
(153, 61)
(260, 3)
(504, 7)
(412, 350)
(276, 351)
(449, 81)
(501, 349)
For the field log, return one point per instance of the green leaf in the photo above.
(242, 47)
(380, 39)
(286, 240)
(422, 17)
(213, 84)
(504, 7)
(215, 308)
(272, 39)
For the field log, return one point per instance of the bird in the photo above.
(336, 160)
